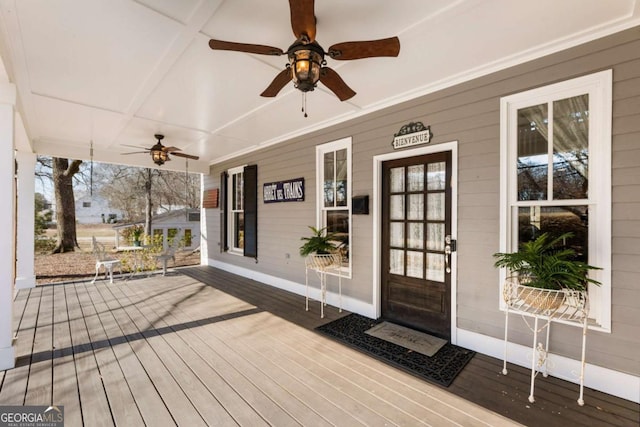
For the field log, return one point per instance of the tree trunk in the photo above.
(148, 204)
(65, 203)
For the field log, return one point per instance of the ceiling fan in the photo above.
(160, 153)
(306, 64)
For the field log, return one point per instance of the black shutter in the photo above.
(223, 212)
(251, 211)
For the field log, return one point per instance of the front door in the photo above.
(416, 245)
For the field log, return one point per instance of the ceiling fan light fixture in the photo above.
(306, 61)
(158, 155)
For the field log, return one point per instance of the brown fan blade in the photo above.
(277, 84)
(245, 47)
(333, 81)
(135, 152)
(365, 49)
(303, 20)
(188, 156)
(170, 149)
(134, 146)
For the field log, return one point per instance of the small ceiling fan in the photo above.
(306, 64)
(160, 153)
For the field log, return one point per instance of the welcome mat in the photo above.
(441, 368)
(408, 338)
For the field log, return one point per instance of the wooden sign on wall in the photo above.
(210, 199)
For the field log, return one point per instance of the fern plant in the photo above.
(320, 242)
(543, 263)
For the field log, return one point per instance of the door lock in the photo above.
(449, 247)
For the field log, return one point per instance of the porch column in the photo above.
(25, 270)
(7, 219)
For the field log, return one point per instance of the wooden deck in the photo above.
(210, 348)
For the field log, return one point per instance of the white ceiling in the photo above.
(118, 71)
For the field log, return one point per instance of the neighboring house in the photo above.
(184, 223)
(93, 209)
(551, 144)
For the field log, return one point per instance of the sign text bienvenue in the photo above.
(284, 191)
(412, 134)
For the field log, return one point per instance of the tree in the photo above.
(63, 172)
(43, 214)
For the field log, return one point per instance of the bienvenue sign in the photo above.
(284, 191)
(411, 134)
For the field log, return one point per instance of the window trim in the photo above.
(599, 86)
(344, 143)
(230, 244)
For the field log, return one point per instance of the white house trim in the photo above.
(25, 264)
(377, 217)
(606, 380)
(7, 219)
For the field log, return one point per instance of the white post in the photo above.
(25, 274)
(7, 219)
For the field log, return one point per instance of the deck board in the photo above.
(65, 383)
(86, 330)
(198, 395)
(14, 385)
(120, 400)
(206, 347)
(39, 386)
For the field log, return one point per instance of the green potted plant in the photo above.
(544, 263)
(320, 249)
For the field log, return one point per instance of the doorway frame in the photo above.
(377, 218)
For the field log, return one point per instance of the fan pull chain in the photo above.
(304, 103)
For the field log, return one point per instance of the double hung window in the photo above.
(239, 213)
(333, 166)
(556, 173)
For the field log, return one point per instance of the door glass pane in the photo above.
(416, 178)
(397, 206)
(533, 152)
(435, 207)
(397, 180)
(435, 237)
(396, 262)
(416, 206)
(415, 264)
(435, 267)
(415, 238)
(571, 147)
(436, 176)
(396, 231)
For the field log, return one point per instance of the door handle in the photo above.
(449, 247)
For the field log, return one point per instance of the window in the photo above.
(239, 213)
(86, 204)
(556, 173)
(333, 170)
(235, 221)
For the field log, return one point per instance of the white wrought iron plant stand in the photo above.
(566, 306)
(323, 264)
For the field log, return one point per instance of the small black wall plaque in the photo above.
(283, 191)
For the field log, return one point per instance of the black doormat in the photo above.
(442, 368)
